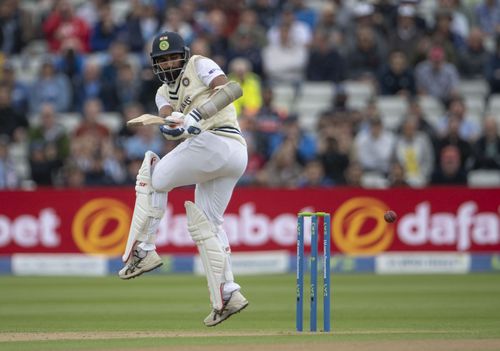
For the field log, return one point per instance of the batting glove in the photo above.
(171, 133)
(192, 122)
(174, 129)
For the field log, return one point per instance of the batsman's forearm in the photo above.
(224, 95)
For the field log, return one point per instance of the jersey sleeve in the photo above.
(161, 100)
(207, 70)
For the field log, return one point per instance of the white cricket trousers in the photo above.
(213, 162)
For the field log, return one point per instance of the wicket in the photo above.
(314, 270)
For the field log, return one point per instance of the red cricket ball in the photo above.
(390, 216)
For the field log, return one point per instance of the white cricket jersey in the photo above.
(191, 89)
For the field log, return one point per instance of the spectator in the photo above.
(452, 137)
(365, 56)
(215, 30)
(313, 175)
(444, 35)
(141, 24)
(44, 164)
(149, 84)
(243, 45)
(373, 148)
(113, 163)
(285, 61)
(89, 86)
(303, 13)
(354, 174)
(459, 22)
(493, 69)
(90, 10)
(473, 59)
(125, 90)
(364, 16)
(340, 103)
(415, 111)
(449, 171)
(129, 111)
(304, 143)
(62, 24)
(71, 63)
(190, 14)
(9, 179)
(282, 170)
(325, 63)
(406, 33)
(174, 22)
(201, 46)
(86, 155)
(90, 126)
(328, 24)
(299, 33)
(334, 155)
(266, 11)
(256, 160)
(50, 131)
(73, 176)
(240, 70)
(268, 122)
(415, 154)
(397, 78)
(384, 13)
(145, 138)
(468, 129)
(249, 26)
(436, 77)
(19, 90)
(487, 147)
(51, 87)
(49, 145)
(117, 57)
(10, 119)
(487, 15)
(15, 27)
(132, 167)
(397, 176)
(105, 31)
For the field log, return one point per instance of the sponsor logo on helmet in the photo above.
(163, 45)
(185, 81)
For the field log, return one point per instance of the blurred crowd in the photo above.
(91, 58)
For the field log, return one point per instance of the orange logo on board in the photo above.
(359, 226)
(101, 227)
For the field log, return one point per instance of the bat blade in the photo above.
(146, 120)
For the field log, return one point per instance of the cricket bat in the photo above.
(146, 120)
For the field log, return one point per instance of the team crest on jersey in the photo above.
(185, 81)
(163, 45)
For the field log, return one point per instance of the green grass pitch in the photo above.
(166, 312)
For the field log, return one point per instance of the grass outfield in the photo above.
(445, 312)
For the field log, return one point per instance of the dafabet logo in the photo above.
(100, 226)
(359, 227)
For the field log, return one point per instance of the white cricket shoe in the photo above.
(140, 262)
(234, 304)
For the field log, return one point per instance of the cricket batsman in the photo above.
(195, 100)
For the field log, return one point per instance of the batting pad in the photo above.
(211, 252)
(149, 206)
